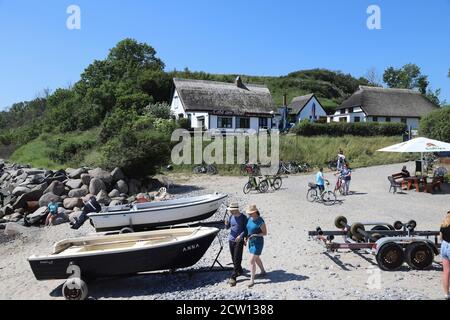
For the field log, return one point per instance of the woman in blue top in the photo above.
(256, 231)
(52, 209)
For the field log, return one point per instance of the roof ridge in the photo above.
(397, 90)
(219, 82)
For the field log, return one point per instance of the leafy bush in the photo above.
(436, 125)
(363, 129)
(140, 149)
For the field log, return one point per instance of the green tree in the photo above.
(436, 125)
(407, 77)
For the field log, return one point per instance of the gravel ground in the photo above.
(298, 267)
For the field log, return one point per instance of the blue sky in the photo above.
(233, 36)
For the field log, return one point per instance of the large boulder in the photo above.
(76, 174)
(56, 187)
(134, 186)
(21, 201)
(101, 174)
(117, 174)
(74, 216)
(103, 198)
(16, 216)
(114, 194)
(96, 186)
(62, 217)
(86, 179)
(122, 186)
(116, 202)
(2, 213)
(18, 191)
(47, 198)
(41, 187)
(78, 193)
(37, 217)
(71, 203)
(74, 183)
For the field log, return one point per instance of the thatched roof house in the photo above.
(240, 103)
(384, 105)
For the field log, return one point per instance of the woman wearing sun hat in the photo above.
(256, 231)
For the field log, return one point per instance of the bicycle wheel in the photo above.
(292, 168)
(329, 198)
(311, 196)
(277, 183)
(263, 186)
(247, 188)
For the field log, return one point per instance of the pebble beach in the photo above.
(298, 267)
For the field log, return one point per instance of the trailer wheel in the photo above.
(390, 257)
(340, 222)
(354, 230)
(75, 289)
(398, 225)
(419, 256)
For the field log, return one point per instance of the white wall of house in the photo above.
(307, 112)
(199, 119)
(177, 106)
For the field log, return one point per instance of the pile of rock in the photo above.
(28, 191)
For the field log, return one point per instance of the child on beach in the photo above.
(237, 222)
(52, 209)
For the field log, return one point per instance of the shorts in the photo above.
(445, 250)
(321, 188)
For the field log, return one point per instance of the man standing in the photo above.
(237, 223)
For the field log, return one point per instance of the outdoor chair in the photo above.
(394, 184)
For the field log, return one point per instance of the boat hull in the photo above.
(156, 217)
(167, 257)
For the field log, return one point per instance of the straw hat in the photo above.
(234, 206)
(252, 209)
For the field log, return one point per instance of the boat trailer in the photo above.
(392, 245)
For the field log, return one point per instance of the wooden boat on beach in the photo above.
(144, 216)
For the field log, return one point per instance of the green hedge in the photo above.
(339, 129)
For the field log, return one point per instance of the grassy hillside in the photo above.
(360, 151)
(60, 151)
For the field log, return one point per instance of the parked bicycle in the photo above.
(250, 169)
(332, 165)
(327, 197)
(205, 169)
(288, 167)
(306, 167)
(256, 183)
(275, 182)
(429, 160)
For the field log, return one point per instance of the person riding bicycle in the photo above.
(320, 180)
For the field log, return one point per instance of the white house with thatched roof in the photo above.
(228, 107)
(374, 104)
(306, 107)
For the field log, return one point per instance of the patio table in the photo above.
(416, 181)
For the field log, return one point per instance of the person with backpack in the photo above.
(90, 206)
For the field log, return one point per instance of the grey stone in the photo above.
(15, 217)
(101, 174)
(21, 201)
(47, 198)
(41, 187)
(74, 183)
(78, 193)
(96, 186)
(76, 174)
(114, 194)
(115, 203)
(71, 203)
(103, 198)
(122, 186)
(18, 191)
(7, 210)
(117, 174)
(56, 187)
(86, 179)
